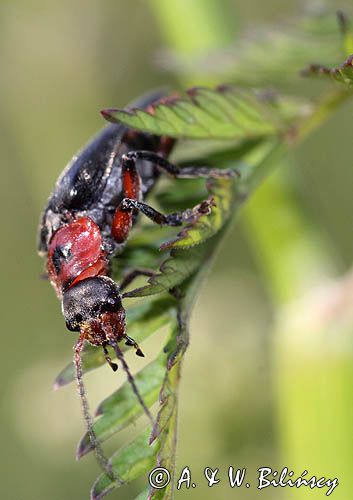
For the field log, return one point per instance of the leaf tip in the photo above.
(97, 492)
(99, 411)
(96, 495)
(153, 435)
(84, 446)
(59, 382)
(193, 91)
(167, 245)
(108, 114)
(224, 88)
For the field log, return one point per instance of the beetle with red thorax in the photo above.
(86, 223)
(83, 227)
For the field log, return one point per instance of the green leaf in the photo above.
(165, 427)
(168, 404)
(150, 377)
(180, 199)
(173, 271)
(166, 455)
(142, 320)
(122, 408)
(341, 74)
(128, 463)
(208, 224)
(224, 112)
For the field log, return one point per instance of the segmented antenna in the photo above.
(101, 458)
(130, 378)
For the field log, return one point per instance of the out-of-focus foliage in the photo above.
(267, 55)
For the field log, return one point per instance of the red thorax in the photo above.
(75, 253)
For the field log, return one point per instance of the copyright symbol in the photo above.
(159, 478)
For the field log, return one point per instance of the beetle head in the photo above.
(93, 305)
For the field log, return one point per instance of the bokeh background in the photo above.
(259, 388)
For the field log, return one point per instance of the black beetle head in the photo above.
(88, 299)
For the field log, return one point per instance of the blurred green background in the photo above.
(253, 394)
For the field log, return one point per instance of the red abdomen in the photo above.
(75, 253)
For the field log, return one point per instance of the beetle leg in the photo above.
(122, 221)
(129, 341)
(174, 219)
(174, 170)
(128, 206)
(112, 365)
(134, 273)
(123, 217)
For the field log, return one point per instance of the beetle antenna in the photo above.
(130, 378)
(101, 458)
